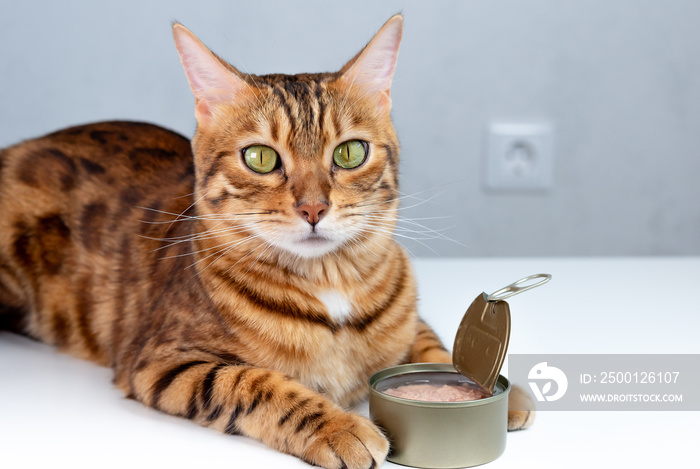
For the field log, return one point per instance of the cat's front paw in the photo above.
(348, 441)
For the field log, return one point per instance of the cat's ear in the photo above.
(373, 68)
(212, 80)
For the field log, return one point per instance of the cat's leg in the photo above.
(521, 409)
(262, 404)
(427, 348)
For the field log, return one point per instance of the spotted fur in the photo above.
(128, 245)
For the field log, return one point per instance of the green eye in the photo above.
(350, 154)
(260, 158)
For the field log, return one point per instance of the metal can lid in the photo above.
(482, 340)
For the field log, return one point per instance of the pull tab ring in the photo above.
(515, 287)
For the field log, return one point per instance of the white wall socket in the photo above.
(519, 157)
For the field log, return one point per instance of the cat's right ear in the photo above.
(211, 81)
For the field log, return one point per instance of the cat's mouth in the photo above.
(308, 243)
(311, 244)
(314, 239)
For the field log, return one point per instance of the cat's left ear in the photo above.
(373, 68)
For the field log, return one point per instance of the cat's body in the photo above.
(252, 299)
(93, 242)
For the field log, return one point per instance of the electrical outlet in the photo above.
(519, 157)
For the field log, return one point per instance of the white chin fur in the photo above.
(308, 248)
(311, 250)
(307, 244)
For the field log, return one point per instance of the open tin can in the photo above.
(438, 434)
(443, 416)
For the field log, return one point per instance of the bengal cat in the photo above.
(246, 280)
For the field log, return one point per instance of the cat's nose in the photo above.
(312, 213)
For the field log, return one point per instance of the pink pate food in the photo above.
(437, 392)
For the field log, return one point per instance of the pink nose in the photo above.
(312, 212)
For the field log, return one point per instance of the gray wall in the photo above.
(619, 80)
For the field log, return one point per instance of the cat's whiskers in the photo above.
(269, 254)
(370, 204)
(418, 204)
(381, 215)
(188, 208)
(385, 226)
(373, 213)
(260, 235)
(404, 195)
(197, 237)
(190, 194)
(210, 233)
(424, 230)
(437, 233)
(391, 234)
(371, 239)
(233, 226)
(386, 230)
(230, 246)
(228, 231)
(187, 237)
(190, 253)
(211, 217)
(364, 245)
(336, 254)
(268, 246)
(418, 234)
(265, 243)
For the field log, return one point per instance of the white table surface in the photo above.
(58, 411)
